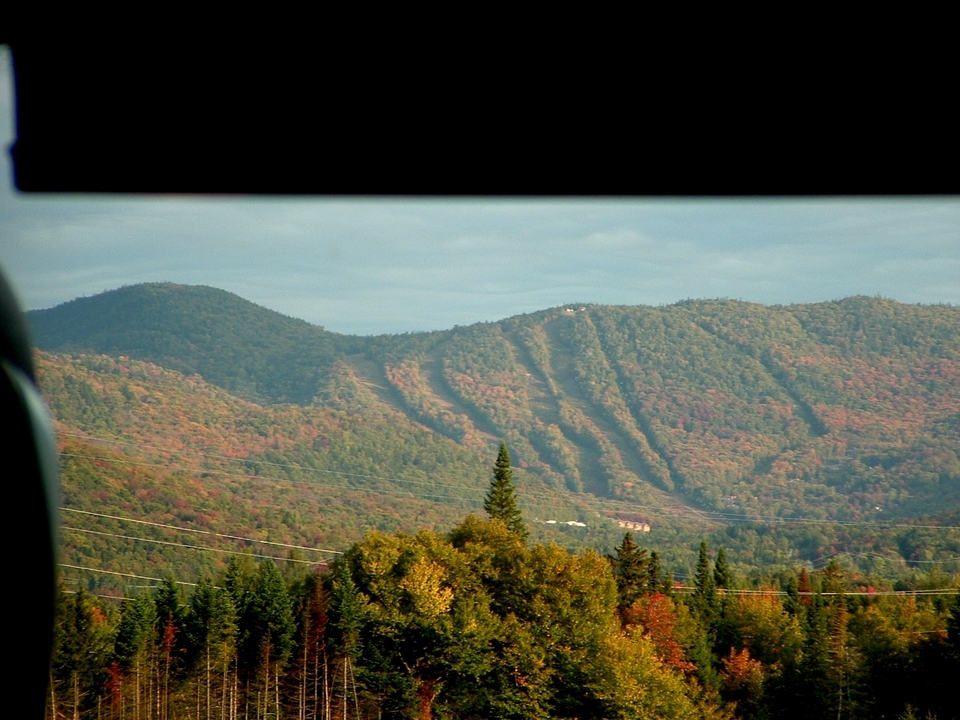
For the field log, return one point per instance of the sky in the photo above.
(372, 265)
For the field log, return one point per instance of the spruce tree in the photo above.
(953, 632)
(268, 619)
(209, 622)
(721, 571)
(501, 501)
(814, 685)
(705, 590)
(792, 604)
(346, 613)
(632, 571)
(134, 632)
(655, 573)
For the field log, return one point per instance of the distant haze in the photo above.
(368, 266)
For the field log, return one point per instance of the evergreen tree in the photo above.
(168, 620)
(168, 601)
(501, 501)
(841, 666)
(805, 588)
(346, 613)
(705, 589)
(666, 586)
(655, 573)
(792, 604)
(308, 675)
(239, 580)
(80, 655)
(721, 571)
(346, 621)
(268, 619)
(815, 663)
(137, 619)
(265, 632)
(209, 623)
(953, 632)
(134, 651)
(631, 568)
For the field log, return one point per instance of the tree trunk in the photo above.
(326, 686)
(208, 678)
(425, 696)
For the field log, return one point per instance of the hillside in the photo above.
(145, 443)
(694, 418)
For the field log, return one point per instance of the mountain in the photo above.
(709, 416)
(246, 349)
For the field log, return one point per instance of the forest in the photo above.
(477, 623)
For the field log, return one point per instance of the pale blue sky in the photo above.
(372, 265)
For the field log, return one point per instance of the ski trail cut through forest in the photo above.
(543, 403)
(815, 426)
(373, 377)
(431, 370)
(566, 379)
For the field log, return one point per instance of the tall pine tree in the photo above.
(721, 571)
(704, 601)
(631, 568)
(501, 501)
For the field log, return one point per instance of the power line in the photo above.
(677, 588)
(293, 466)
(813, 521)
(100, 595)
(726, 591)
(689, 513)
(192, 547)
(479, 491)
(201, 532)
(848, 553)
(263, 478)
(528, 496)
(114, 572)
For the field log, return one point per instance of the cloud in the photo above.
(392, 265)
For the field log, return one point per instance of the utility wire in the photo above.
(392, 479)
(105, 597)
(679, 588)
(201, 532)
(292, 466)
(114, 572)
(813, 521)
(688, 513)
(850, 553)
(192, 547)
(263, 478)
(725, 591)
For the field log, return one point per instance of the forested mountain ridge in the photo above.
(729, 404)
(250, 351)
(844, 411)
